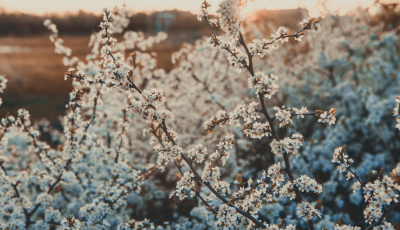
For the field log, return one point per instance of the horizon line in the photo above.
(66, 13)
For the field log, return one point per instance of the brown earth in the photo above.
(36, 78)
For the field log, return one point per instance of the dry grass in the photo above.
(36, 79)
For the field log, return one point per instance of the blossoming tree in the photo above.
(95, 179)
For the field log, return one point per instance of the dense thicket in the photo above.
(239, 134)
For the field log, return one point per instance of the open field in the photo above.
(227, 144)
(35, 72)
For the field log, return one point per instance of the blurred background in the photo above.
(35, 72)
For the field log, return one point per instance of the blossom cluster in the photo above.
(225, 155)
(346, 227)
(274, 172)
(210, 173)
(262, 47)
(280, 35)
(343, 159)
(186, 182)
(3, 82)
(396, 112)
(307, 211)
(134, 39)
(284, 115)
(147, 106)
(249, 199)
(100, 174)
(227, 217)
(305, 183)
(204, 10)
(240, 111)
(266, 84)
(248, 114)
(59, 48)
(230, 17)
(221, 119)
(383, 191)
(197, 153)
(236, 57)
(257, 129)
(311, 24)
(90, 174)
(328, 118)
(71, 223)
(290, 145)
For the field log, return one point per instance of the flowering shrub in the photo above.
(358, 77)
(105, 172)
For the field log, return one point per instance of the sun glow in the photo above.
(49, 6)
(258, 5)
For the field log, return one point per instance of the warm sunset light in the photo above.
(340, 6)
(199, 114)
(48, 6)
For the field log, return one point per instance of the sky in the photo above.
(61, 6)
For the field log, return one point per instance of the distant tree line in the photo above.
(83, 23)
